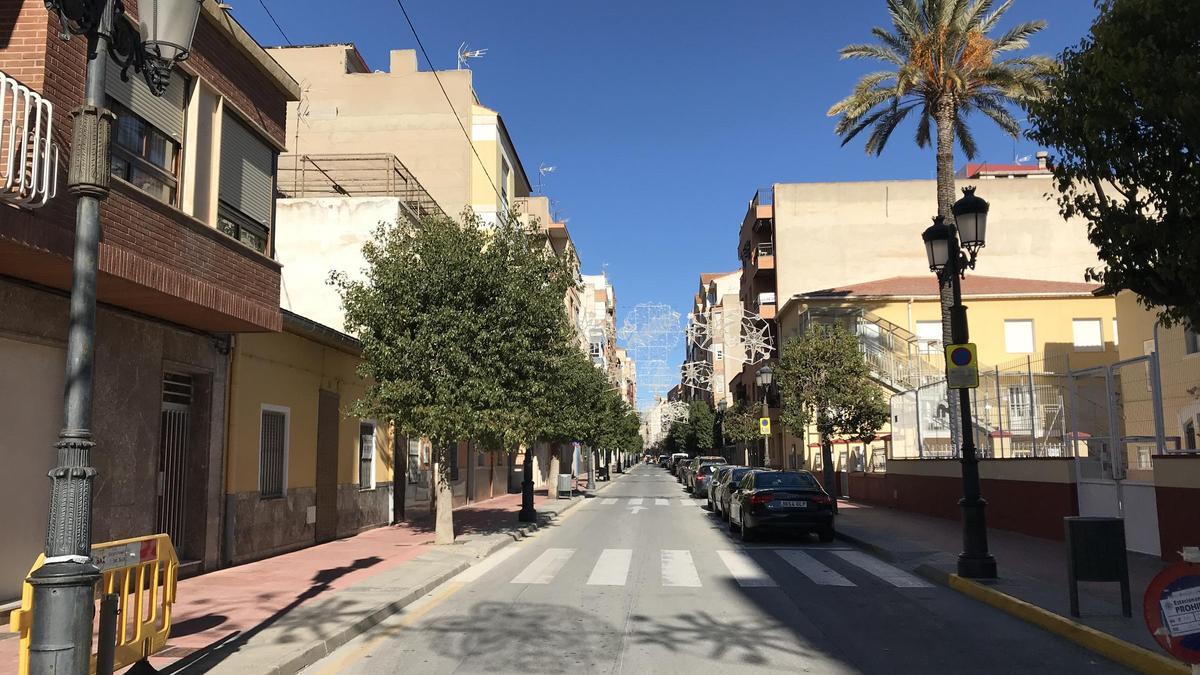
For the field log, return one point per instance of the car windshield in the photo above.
(785, 480)
(737, 475)
(707, 469)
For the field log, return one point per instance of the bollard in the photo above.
(106, 638)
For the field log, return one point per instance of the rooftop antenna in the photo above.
(543, 171)
(465, 54)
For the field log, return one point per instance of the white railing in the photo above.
(29, 173)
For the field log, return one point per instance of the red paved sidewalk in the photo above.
(220, 605)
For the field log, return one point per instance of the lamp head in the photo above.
(970, 216)
(937, 244)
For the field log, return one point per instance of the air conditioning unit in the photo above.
(28, 158)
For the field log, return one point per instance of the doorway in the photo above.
(175, 433)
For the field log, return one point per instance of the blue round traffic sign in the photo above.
(1172, 610)
(960, 356)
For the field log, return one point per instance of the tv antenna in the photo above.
(543, 171)
(465, 54)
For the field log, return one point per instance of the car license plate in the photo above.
(793, 505)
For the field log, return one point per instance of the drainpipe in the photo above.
(1160, 431)
(226, 515)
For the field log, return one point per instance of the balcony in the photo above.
(766, 305)
(762, 257)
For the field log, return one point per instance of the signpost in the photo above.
(1172, 609)
(962, 366)
(764, 426)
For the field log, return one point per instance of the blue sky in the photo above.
(661, 116)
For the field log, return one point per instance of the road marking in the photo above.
(745, 570)
(662, 502)
(893, 575)
(684, 501)
(635, 509)
(678, 569)
(635, 501)
(809, 567)
(608, 501)
(486, 565)
(544, 567)
(612, 568)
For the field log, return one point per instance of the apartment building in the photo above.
(716, 338)
(598, 314)
(186, 265)
(349, 109)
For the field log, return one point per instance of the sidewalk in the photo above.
(1032, 570)
(279, 614)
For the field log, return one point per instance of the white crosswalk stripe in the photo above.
(678, 569)
(811, 568)
(662, 502)
(743, 568)
(890, 574)
(635, 501)
(486, 565)
(688, 502)
(544, 567)
(612, 569)
(608, 501)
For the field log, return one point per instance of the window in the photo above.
(1115, 339)
(1087, 334)
(720, 386)
(1189, 435)
(929, 336)
(366, 455)
(1018, 336)
(272, 452)
(144, 156)
(595, 349)
(504, 172)
(1191, 342)
(242, 228)
(414, 461)
(718, 352)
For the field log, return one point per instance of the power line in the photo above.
(433, 69)
(277, 26)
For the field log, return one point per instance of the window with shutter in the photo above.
(246, 184)
(148, 131)
(272, 452)
(366, 456)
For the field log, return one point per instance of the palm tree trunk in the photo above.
(944, 116)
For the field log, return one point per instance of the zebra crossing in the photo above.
(649, 501)
(679, 569)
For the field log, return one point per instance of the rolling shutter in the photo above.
(164, 112)
(247, 183)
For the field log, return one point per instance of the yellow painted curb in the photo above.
(1133, 656)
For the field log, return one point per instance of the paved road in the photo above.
(642, 579)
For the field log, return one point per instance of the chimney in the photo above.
(1042, 157)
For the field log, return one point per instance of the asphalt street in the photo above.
(642, 579)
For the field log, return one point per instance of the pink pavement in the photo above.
(214, 607)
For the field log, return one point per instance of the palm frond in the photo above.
(885, 126)
(989, 23)
(870, 51)
(991, 106)
(965, 140)
(898, 44)
(1017, 37)
(906, 18)
(850, 131)
(924, 128)
(974, 14)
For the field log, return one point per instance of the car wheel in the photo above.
(747, 533)
(732, 526)
(825, 535)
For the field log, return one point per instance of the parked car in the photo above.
(689, 471)
(663, 459)
(719, 491)
(702, 478)
(784, 501)
(673, 464)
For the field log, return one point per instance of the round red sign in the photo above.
(1172, 610)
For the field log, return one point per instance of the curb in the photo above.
(1110, 647)
(867, 546)
(321, 648)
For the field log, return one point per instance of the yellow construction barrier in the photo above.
(142, 572)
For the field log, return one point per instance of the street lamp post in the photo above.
(763, 379)
(952, 249)
(61, 635)
(722, 406)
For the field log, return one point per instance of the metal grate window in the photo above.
(272, 453)
(366, 455)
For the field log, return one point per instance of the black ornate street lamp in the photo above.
(951, 251)
(763, 379)
(64, 586)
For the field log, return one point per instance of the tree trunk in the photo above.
(944, 116)
(828, 473)
(444, 514)
(552, 484)
(527, 514)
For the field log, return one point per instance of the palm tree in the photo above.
(943, 65)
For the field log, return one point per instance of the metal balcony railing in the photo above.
(764, 248)
(28, 158)
(365, 175)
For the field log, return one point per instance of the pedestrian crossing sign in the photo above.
(764, 426)
(962, 367)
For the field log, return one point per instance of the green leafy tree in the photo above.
(942, 64)
(1123, 116)
(824, 381)
(702, 423)
(741, 424)
(459, 325)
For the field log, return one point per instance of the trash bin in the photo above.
(1096, 552)
(564, 485)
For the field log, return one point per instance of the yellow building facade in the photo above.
(300, 468)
